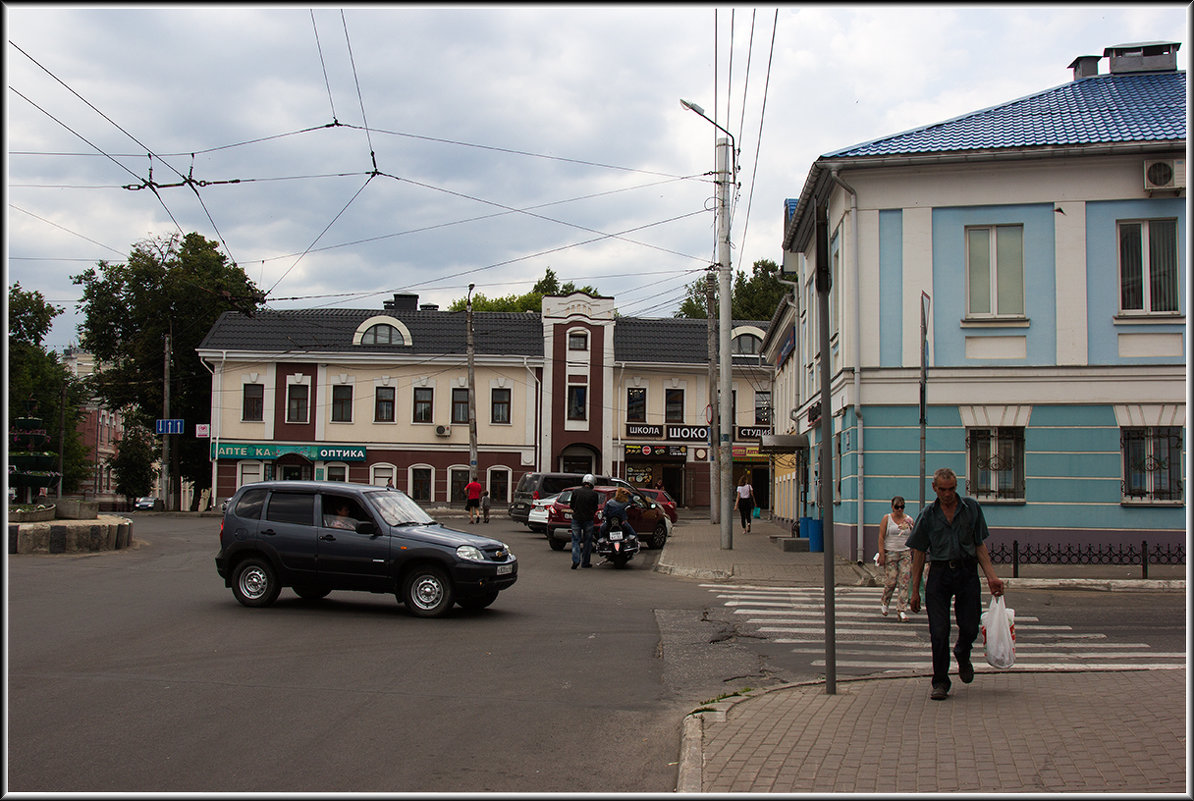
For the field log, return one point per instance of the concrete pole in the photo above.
(714, 460)
(725, 158)
(825, 443)
(165, 436)
(472, 389)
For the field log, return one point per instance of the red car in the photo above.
(648, 518)
(663, 499)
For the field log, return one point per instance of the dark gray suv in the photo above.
(320, 536)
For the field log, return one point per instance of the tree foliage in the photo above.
(531, 301)
(134, 462)
(39, 385)
(751, 298)
(169, 285)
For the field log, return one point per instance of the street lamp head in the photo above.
(692, 107)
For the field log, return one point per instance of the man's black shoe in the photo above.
(939, 693)
(966, 671)
(575, 565)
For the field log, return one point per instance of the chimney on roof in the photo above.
(1085, 66)
(1143, 57)
(402, 303)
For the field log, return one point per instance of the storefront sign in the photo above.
(688, 433)
(652, 430)
(748, 453)
(658, 451)
(753, 432)
(316, 453)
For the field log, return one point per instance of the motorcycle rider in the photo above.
(616, 508)
(584, 509)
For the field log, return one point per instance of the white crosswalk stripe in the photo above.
(867, 642)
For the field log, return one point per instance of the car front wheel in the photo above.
(659, 536)
(427, 592)
(254, 583)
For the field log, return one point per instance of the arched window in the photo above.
(382, 334)
(746, 343)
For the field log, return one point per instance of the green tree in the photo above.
(39, 385)
(169, 286)
(531, 301)
(753, 298)
(134, 462)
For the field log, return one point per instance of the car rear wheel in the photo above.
(478, 601)
(659, 536)
(254, 583)
(555, 543)
(427, 592)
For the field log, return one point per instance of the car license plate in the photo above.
(504, 569)
(615, 536)
(567, 515)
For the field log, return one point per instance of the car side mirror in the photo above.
(367, 527)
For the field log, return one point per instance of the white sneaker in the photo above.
(903, 617)
(884, 608)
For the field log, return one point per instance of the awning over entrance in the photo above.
(782, 443)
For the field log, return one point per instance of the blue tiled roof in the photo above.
(1133, 107)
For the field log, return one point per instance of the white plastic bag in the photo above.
(999, 634)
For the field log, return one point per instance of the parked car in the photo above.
(537, 518)
(663, 499)
(645, 516)
(320, 536)
(541, 485)
(145, 503)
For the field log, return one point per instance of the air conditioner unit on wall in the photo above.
(443, 431)
(1164, 174)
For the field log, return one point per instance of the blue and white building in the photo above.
(1046, 240)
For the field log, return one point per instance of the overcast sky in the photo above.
(505, 140)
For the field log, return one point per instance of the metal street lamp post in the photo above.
(727, 171)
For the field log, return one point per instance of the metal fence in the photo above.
(1122, 554)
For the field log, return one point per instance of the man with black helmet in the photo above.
(584, 507)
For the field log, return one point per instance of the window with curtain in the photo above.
(995, 271)
(253, 403)
(383, 405)
(577, 405)
(460, 405)
(296, 403)
(423, 402)
(1148, 266)
(499, 404)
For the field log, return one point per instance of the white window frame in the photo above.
(1146, 290)
(995, 274)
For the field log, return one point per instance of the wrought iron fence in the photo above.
(1121, 554)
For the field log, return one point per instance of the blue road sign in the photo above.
(170, 426)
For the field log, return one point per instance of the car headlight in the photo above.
(470, 552)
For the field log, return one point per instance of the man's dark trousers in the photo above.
(959, 582)
(582, 541)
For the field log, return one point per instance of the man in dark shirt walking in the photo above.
(950, 533)
(584, 507)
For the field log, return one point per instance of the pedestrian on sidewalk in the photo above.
(472, 491)
(744, 501)
(895, 557)
(584, 503)
(485, 504)
(950, 533)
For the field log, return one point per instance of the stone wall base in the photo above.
(105, 533)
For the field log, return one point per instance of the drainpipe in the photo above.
(215, 428)
(538, 404)
(794, 302)
(861, 526)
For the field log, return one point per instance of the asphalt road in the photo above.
(137, 671)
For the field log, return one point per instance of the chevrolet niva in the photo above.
(320, 536)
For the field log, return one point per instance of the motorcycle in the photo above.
(616, 542)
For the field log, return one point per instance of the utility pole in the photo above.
(165, 437)
(62, 434)
(714, 474)
(725, 156)
(925, 301)
(472, 388)
(825, 441)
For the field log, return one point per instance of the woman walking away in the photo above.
(744, 501)
(895, 557)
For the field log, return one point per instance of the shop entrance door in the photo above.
(673, 482)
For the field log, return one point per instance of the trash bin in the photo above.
(816, 538)
(804, 521)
